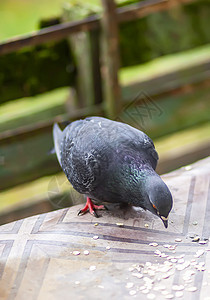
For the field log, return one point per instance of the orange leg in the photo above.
(89, 206)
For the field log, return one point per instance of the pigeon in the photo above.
(110, 161)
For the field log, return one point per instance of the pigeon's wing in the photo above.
(129, 136)
(57, 137)
(138, 140)
(82, 156)
(147, 148)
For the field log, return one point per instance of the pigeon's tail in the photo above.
(57, 136)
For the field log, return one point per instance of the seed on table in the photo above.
(169, 296)
(95, 237)
(76, 253)
(177, 287)
(92, 268)
(202, 242)
(120, 224)
(178, 240)
(153, 244)
(138, 275)
(191, 289)
(188, 168)
(146, 291)
(179, 294)
(159, 288)
(167, 275)
(165, 293)
(132, 292)
(151, 296)
(148, 264)
(131, 269)
(86, 252)
(199, 253)
(157, 252)
(129, 285)
(196, 239)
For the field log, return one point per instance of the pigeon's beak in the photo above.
(165, 221)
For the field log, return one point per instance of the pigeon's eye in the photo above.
(154, 206)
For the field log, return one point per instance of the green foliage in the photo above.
(181, 28)
(33, 71)
(36, 70)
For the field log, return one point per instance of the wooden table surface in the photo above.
(38, 254)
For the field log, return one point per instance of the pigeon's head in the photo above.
(159, 200)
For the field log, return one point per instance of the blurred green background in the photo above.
(22, 16)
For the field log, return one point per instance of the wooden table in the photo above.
(38, 258)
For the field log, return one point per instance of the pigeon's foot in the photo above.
(89, 206)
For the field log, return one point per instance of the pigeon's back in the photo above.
(91, 149)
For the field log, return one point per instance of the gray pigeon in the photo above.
(110, 161)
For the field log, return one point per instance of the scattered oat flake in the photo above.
(199, 253)
(92, 268)
(120, 224)
(188, 168)
(177, 287)
(191, 289)
(167, 275)
(96, 224)
(101, 286)
(129, 285)
(178, 240)
(131, 269)
(77, 282)
(132, 292)
(151, 296)
(202, 242)
(138, 275)
(195, 223)
(151, 273)
(163, 255)
(108, 247)
(157, 252)
(86, 252)
(146, 291)
(165, 293)
(153, 244)
(76, 253)
(179, 294)
(95, 237)
(146, 225)
(169, 296)
(159, 287)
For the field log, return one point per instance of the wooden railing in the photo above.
(58, 32)
(114, 97)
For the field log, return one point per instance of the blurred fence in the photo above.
(86, 53)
